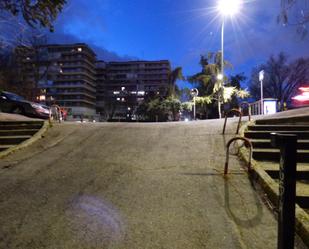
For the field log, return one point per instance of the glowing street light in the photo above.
(229, 7)
(226, 8)
(220, 76)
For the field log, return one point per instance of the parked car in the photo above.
(13, 103)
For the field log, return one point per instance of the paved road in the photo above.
(130, 186)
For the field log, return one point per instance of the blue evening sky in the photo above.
(178, 30)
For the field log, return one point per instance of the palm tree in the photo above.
(175, 75)
(210, 88)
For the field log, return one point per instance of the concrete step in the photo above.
(302, 183)
(302, 193)
(265, 143)
(266, 134)
(273, 170)
(20, 126)
(18, 132)
(13, 140)
(5, 147)
(31, 122)
(278, 128)
(284, 120)
(274, 155)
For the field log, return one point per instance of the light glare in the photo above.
(229, 7)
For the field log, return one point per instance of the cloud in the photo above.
(102, 54)
(82, 21)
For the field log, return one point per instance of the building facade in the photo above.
(128, 83)
(71, 77)
(64, 75)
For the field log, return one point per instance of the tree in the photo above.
(109, 109)
(186, 108)
(36, 13)
(7, 71)
(172, 106)
(35, 67)
(155, 110)
(175, 75)
(19, 18)
(296, 13)
(211, 90)
(235, 81)
(282, 78)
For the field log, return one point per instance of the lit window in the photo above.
(141, 93)
(79, 49)
(116, 92)
(118, 99)
(123, 88)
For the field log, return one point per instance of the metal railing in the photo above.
(247, 143)
(229, 112)
(249, 109)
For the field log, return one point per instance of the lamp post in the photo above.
(225, 8)
(194, 94)
(261, 78)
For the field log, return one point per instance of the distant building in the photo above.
(100, 86)
(127, 83)
(70, 76)
(64, 74)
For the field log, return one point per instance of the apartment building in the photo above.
(64, 74)
(128, 83)
(70, 76)
(100, 86)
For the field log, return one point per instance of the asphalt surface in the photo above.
(131, 186)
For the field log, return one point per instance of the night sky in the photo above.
(177, 30)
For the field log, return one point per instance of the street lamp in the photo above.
(261, 78)
(220, 76)
(226, 8)
(194, 94)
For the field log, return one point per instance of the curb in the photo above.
(271, 188)
(39, 134)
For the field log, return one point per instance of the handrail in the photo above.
(247, 144)
(232, 111)
(58, 115)
(249, 108)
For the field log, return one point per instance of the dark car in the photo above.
(13, 103)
